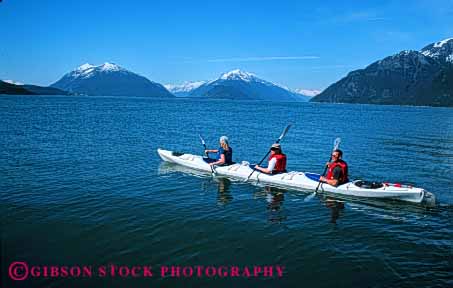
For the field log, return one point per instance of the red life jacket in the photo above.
(344, 168)
(280, 165)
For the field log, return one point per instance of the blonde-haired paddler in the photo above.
(224, 153)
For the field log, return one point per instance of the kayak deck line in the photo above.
(303, 180)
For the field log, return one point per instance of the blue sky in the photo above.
(299, 44)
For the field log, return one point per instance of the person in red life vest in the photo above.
(277, 161)
(337, 173)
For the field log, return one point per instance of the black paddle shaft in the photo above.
(205, 152)
(323, 173)
(336, 145)
(267, 154)
(204, 145)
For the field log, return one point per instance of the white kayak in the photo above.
(303, 180)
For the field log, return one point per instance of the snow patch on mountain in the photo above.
(308, 92)
(442, 50)
(429, 53)
(449, 58)
(87, 70)
(240, 75)
(442, 43)
(13, 82)
(110, 67)
(85, 67)
(187, 86)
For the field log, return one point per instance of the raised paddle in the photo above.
(278, 140)
(206, 153)
(336, 144)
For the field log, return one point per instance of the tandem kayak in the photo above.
(303, 180)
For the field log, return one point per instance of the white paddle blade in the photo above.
(201, 138)
(309, 197)
(336, 144)
(284, 132)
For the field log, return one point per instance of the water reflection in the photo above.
(168, 168)
(274, 197)
(223, 190)
(336, 208)
(223, 184)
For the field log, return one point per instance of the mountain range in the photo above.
(237, 85)
(422, 77)
(112, 80)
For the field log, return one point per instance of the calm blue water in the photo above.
(81, 184)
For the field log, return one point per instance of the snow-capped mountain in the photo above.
(422, 77)
(241, 85)
(183, 90)
(109, 79)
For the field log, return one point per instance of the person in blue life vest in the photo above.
(277, 161)
(337, 172)
(224, 153)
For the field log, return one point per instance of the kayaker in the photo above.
(277, 161)
(224, 153)
(337, 173)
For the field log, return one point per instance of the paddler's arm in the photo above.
(219, 162)
(269, 168)
(333, 182)
(211, 151)
(264, 170)
(337, 173)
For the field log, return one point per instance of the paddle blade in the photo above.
(309, 197)
(284, 132)
(336, 144)
(202, 140)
